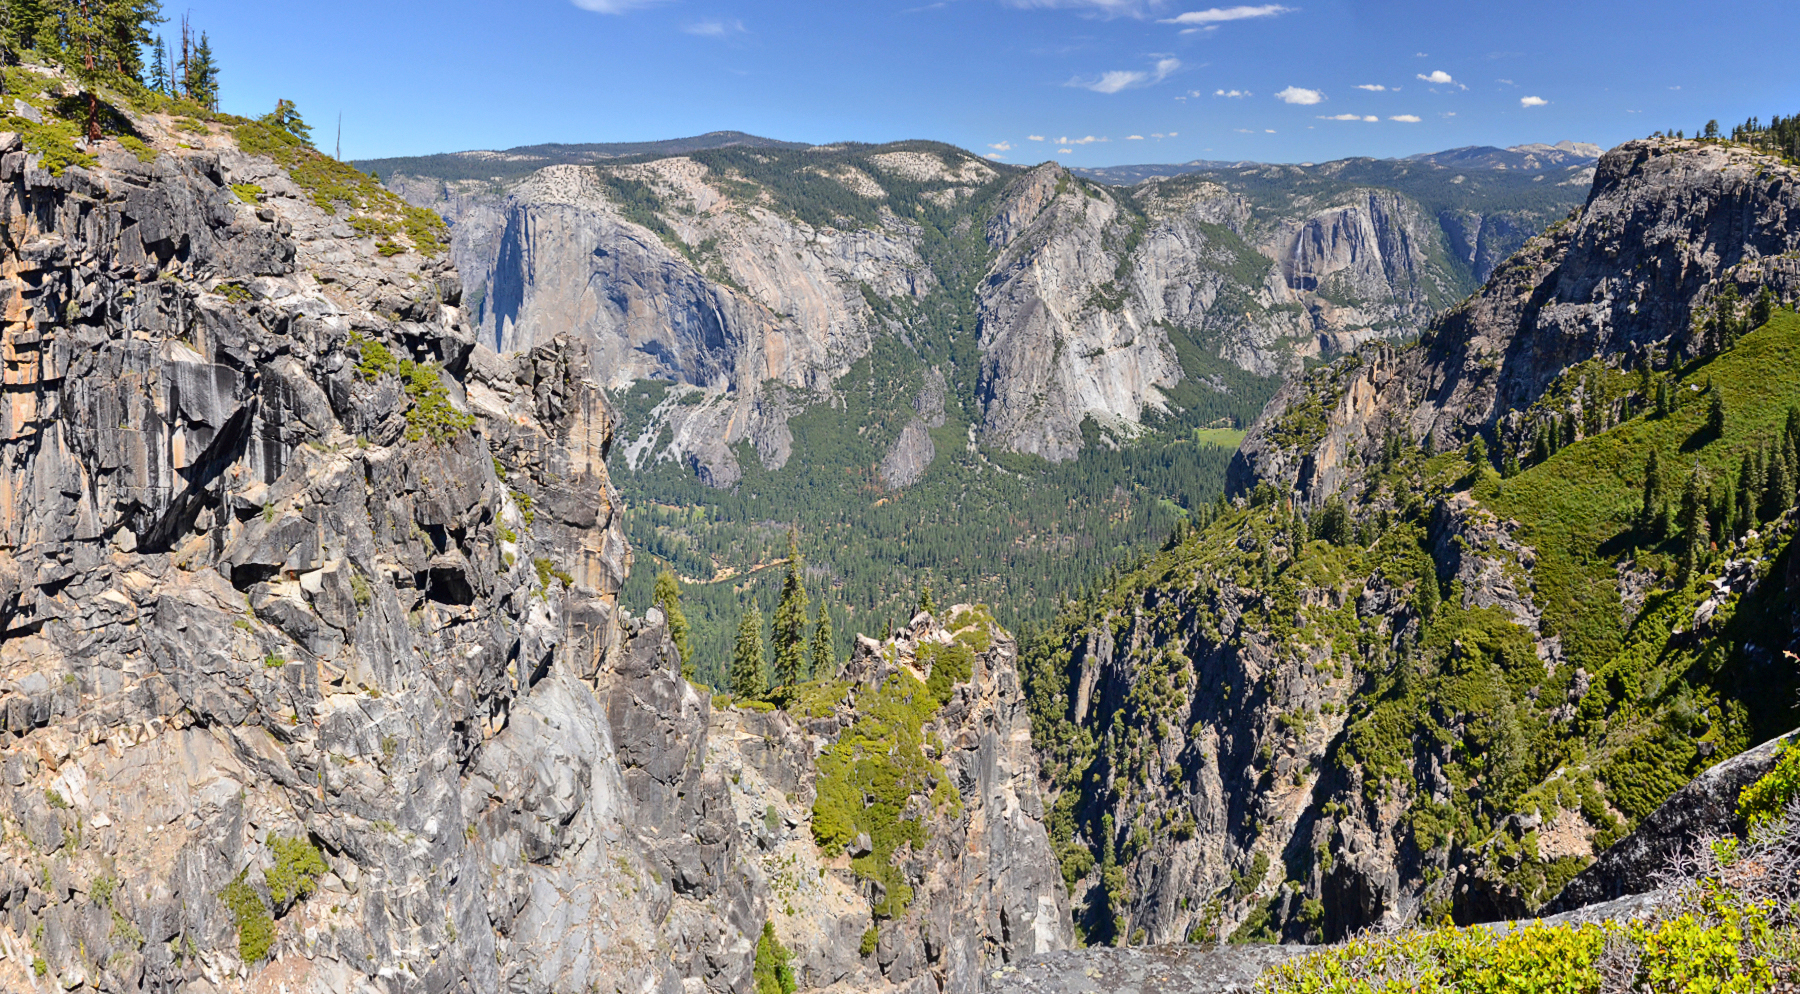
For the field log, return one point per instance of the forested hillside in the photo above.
(1485, 601)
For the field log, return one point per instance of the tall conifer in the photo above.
(790, 621)
(748, 682)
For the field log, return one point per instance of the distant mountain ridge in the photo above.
(516, 163)
(1529, 157)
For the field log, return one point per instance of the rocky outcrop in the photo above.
(725, 295)
(985, 888)
(1703, 810)
(1668, 225)
(313, 673)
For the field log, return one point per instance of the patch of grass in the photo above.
(336, 186)
(548, 570)
(137, 146)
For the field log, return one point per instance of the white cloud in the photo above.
(614, 6)
(1297, 95)
(1532, 101)
(1127, 79)
(1134, 138)
(1439, 77)
(1173, 134)
(996, 156)
(1216, 15)
(1508, 82)
(1064, 151)
(1371, 87)
(1405, 118)
(1243, 131)
(1003, 146)
(1089, 140)
(1233, 94)
(1035, 138)
(715, 29)
(1268, 131)
(1341, 117)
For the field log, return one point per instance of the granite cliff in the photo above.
(313, 673)
(731, 271)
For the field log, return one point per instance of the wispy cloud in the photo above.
(1371, 87)
(613, 6)
(1348, 117)
(1405, 118)
(1134, 138)
(1001, 146)
(715, 29)
(1219, 15)
(1233, 94)
(1100, 8)
(1035, 138)
(996, 156)
(1127, 79)
(1089, 140)
(1532, 101)
(1300, 95)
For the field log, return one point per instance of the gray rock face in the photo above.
(1704, 809)
(986, 889)
(1141, 970)
(683, 272)
(1668, 225)
(256, 593)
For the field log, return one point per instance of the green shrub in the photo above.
(431, 415)
(771, 970)
(1768, 798)
(256, 926)
(296, 871)
(870, 939)
(137, 146)
(547, 571)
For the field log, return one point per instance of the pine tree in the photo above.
(24, 20)
(824, 648)
(125, 25)
(1692, 522)
(1662, 397)
(1747, 500)
(204, 74)
(1428, 594)
(1778, 495)
(159, 67)
(790, 621)
(1715, 417)
(748, 682)
(1652, 487)
(668, 599)
(926, 605)
(287, 117)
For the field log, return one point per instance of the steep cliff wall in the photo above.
(313, 672)
(726, 270)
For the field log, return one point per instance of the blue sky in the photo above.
(1025, 80)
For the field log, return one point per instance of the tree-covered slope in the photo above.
(1441, 654)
